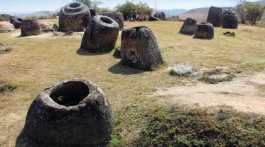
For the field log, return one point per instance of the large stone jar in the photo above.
(72, 113)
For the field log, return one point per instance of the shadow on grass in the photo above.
(84, 52)
(119, 68)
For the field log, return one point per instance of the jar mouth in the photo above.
(106, 20)
(75, 5)
(70, 93)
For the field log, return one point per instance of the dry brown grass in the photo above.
(37, 62)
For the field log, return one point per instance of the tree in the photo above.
(254, 12)
(130, 8)
(250, 12)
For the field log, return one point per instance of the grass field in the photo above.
(37, 62)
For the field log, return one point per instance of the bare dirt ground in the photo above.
(246, 94)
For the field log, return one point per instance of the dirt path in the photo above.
(246, 94)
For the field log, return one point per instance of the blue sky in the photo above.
(37, 5)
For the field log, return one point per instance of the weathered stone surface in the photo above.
(182, 70)
(6, 27)
(17, 22)
(189, 27)
(160, 15)
(74, 17)
(117, 53)
(215, 16)
(93, 12)
(230, 20)
(204, 31)
(117, 16)
(139, 49)
(30, 27)
(72, 113)
(101, 36)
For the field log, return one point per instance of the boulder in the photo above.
(182, 70)
(117, 16)
(139, 49)
(6, 27)
(68, 114)
(101, 36)
(204, 31)
(74, 17)
(230, 20)
(30, 27)
(215, 16)
(189, 27)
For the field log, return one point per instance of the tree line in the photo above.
(250, 12)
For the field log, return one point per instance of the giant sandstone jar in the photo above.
(101, 36)
(30, 27)
(68, 114)
(139, 49)
(74, 17)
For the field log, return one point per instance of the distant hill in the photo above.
(32, 14)
(174, 12)
(261, 2)
(36, 14)
(199, 14)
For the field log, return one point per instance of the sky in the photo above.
(39, 5)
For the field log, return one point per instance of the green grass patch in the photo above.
(199, 128)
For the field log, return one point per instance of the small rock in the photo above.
(230, 34)
(5, 87)
(4, 49)
(216, 76)
(182, 70)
